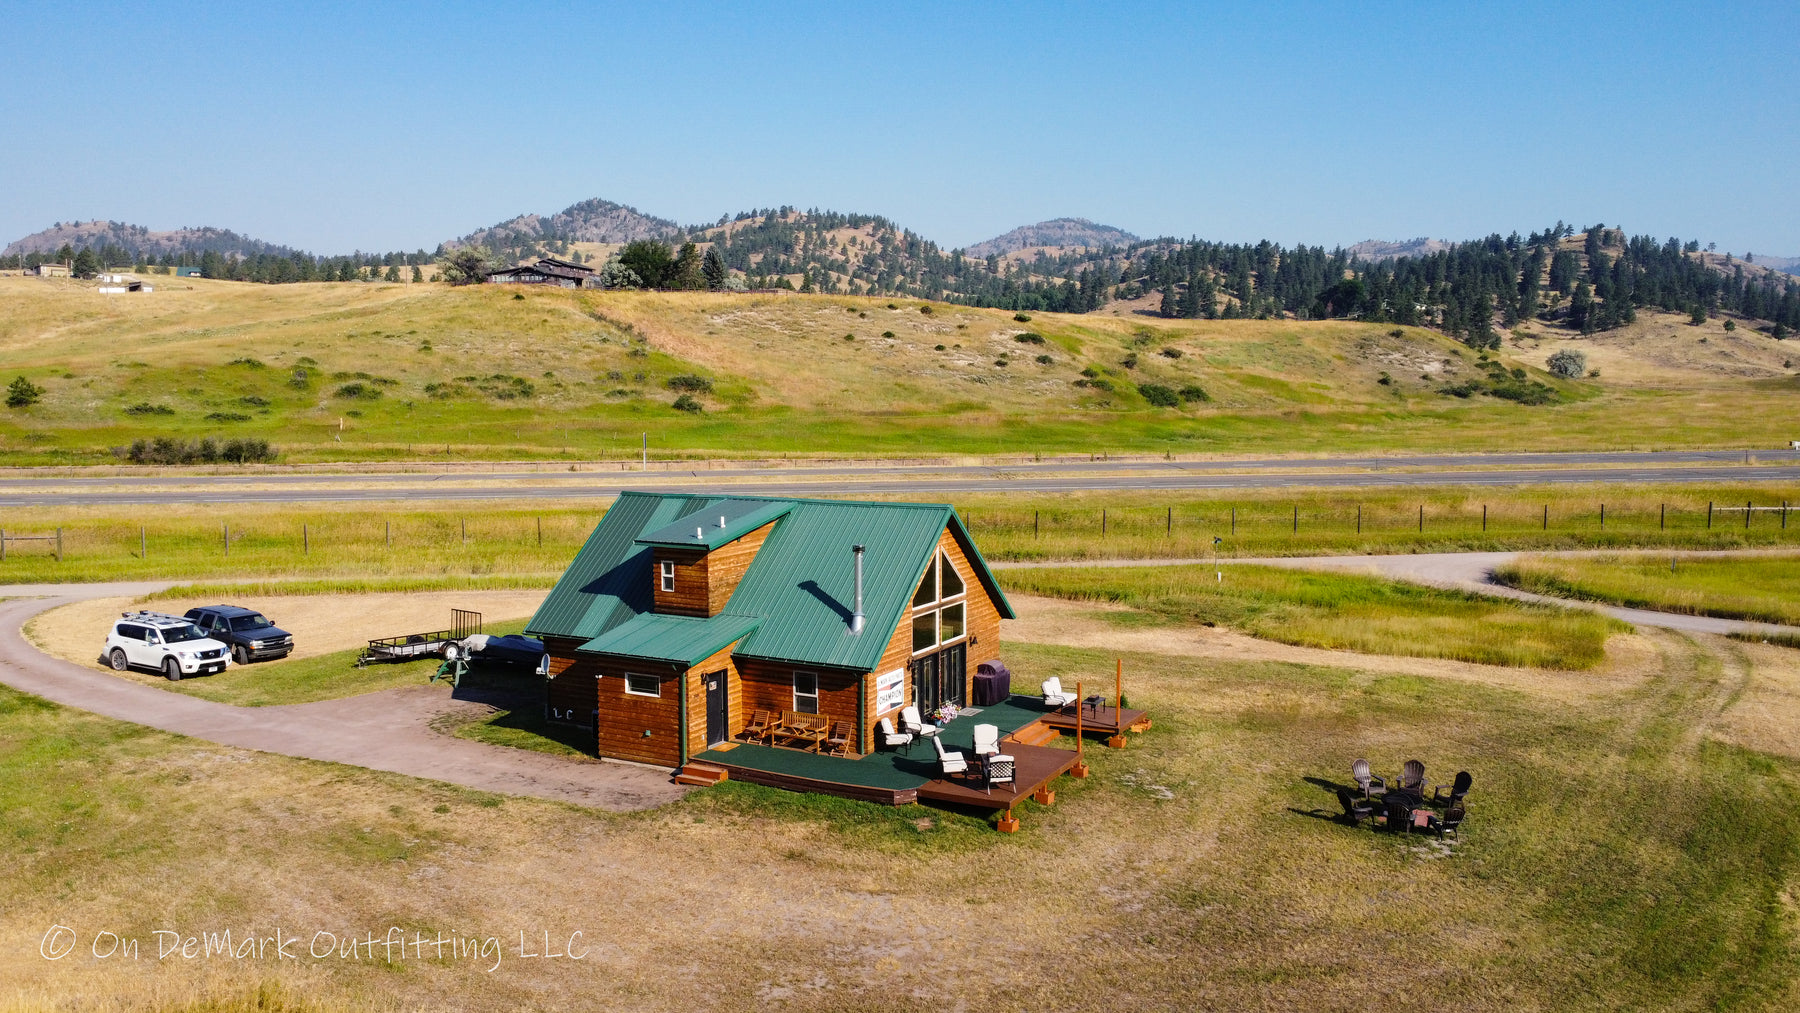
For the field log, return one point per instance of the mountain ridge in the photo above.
(1060, 233)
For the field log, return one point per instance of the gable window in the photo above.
(668, 575)
(806, 692)
(940, 610)
(642, 685)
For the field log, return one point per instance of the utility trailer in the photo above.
(412, 646)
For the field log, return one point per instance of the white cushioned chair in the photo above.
(1054, 697)
(891, 738)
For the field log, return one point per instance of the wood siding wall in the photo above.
(768, 685)
(982, 636)
(569, 692)
(704, 581)
(624, 717)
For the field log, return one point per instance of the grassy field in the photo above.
(1339, 611)
(423, 372)
(1764, 588)
(420, 546)
(1193, 870)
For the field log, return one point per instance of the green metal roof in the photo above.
(682, 640)
(723, 521)
(801, 585)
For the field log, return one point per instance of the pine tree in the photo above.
(712, 266)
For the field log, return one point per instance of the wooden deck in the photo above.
(901, 778)
(1103, 720)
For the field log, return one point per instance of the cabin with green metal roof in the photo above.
(684, 614)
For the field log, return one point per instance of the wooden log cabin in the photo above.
(684, 614)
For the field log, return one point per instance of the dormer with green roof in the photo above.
(685, 614)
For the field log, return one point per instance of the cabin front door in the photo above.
(718, 700)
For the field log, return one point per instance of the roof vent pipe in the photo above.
(700, 534)
(856, 617)
(721, 520)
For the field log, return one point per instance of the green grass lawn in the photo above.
(304, 680)
(1615, 857)
(1764, 588)
(1339, 611)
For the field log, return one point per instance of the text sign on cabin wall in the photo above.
(890, 690)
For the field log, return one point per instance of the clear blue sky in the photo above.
(394, 126)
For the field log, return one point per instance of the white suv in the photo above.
(170, 643)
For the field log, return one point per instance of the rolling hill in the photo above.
(1057, 233)
(377, 371)
(590, 221)
(137, 241)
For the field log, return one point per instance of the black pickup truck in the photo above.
(251, 635)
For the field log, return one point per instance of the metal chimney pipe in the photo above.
(856, 616)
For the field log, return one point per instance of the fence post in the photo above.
(1421, 518)
(1603, 517)
(1034, 525)
(1662, 517)
(1546, 517)
(305, 541)
(1784, 515)
(1169, 523)
(1234, 520)
(465, 530)
(540, 523)
(1103, 522)
(1296, 518)
(227, 537)
(1359, 518)
(1709, 514)
(387, 532)
(59, 545)
(1484, 518)
(2, 545)
(1746, 516)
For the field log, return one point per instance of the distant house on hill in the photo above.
(53, 270)
(547, 271)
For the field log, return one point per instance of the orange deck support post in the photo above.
(1081, 768)
(1118, 741)
(1009, 824)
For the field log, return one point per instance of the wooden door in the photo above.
(718, 703)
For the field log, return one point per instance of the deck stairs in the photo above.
(701, 774)
(1034, 734)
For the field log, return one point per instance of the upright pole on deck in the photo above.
(1081, 768)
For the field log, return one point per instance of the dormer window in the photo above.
(940, 611)
(668, 575)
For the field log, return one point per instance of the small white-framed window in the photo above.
(642, 685)
(806, 692)
(668, 575)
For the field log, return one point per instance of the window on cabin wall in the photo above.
(940, 606)
(668, 575)
(642, 685)
(806, 692)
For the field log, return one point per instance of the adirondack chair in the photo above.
(1412, 777)
(1355, 811)
(1452, 822)
(1459, 787)
(1359, 771)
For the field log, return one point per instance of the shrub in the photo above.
(1171, 353)
(519, 296)
(246, 362)
(1566, 363)
(1045, 359)
(253, 401)
(1385, 379)
(502, 386)
(168, 450)
(691, 383)
(227, 417)
(300, 379)
(925, 309)
(146, 408)
(1029, 338)
(889, 334)
(687, 403)
(1130, 361)
(1193, 392)
(22, 393)
(849, 337)
(1022, 318)
(359, 391)
(939, 348)
(1396, 333)
(1159, 395)
(1730, 325)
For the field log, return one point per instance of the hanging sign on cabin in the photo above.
(890, 690)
